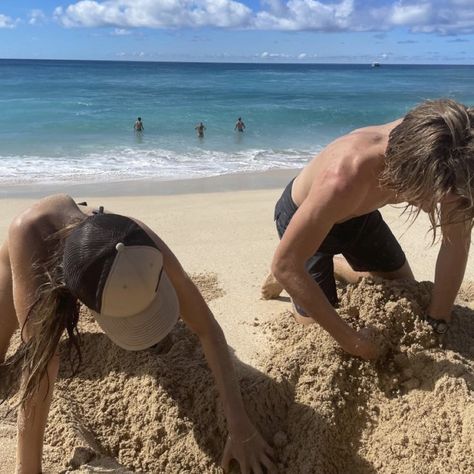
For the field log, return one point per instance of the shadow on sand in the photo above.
(178, 368)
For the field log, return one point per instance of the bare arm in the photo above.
(245, 442)
(450, 268)
(32, 418)
(332, 197)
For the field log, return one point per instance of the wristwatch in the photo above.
(439, 325)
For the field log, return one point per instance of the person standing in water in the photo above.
(138, 127)
(200, 129)
(240, 125)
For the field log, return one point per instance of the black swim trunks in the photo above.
(366, 242)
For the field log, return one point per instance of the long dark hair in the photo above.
(55, 309)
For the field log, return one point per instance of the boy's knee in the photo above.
(403, 273)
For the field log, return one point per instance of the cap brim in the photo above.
(145, 329)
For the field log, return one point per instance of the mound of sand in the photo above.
(325, 412)
(411, 412)
(147, 411)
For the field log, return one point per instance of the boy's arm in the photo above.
(450, 267)
(333, 196)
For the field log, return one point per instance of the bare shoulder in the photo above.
(384, 128)
(42, 212)
(344, 170)
(354, 157)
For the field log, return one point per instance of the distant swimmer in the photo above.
(200, 130)
(240, 126)
(138, 127)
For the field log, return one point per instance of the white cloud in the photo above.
(276, 7)
(120, 32)
(36, 17)
(6, 22)
(267, 55)
(446, 17)
(429, 16)
(132, 54)
(285, 56)
(410, 14)
(305, 15)
(154, 13)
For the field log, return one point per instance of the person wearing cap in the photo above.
(59, 253)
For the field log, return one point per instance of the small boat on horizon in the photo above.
(375, 64)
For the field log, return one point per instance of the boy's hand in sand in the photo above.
(271, 288)
(252, 453)
(365, 345)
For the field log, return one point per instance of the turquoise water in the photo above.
(73, 120)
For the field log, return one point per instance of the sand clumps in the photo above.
(157, 411)
(148, 411)
(151, 411)
(411, 412)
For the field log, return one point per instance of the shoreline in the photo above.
(270, 179)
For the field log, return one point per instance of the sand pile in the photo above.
(157, 411)
(411, 412)
(148, 411)
(152, 411)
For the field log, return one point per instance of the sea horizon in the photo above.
(71, 121)
(257, 62)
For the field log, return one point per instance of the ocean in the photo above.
(72, 121)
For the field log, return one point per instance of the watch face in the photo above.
(441, 327)
(438, 325)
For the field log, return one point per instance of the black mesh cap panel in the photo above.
(89, 252)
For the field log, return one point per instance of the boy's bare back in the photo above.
(348, 168)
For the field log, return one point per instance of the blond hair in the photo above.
(429, 156)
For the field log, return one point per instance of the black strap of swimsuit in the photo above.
(98, 211)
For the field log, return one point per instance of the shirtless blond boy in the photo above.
(426, 160)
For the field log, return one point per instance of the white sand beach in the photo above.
(222, 229)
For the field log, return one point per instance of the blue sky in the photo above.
(357, 31)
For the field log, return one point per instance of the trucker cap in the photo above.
(115, 268)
